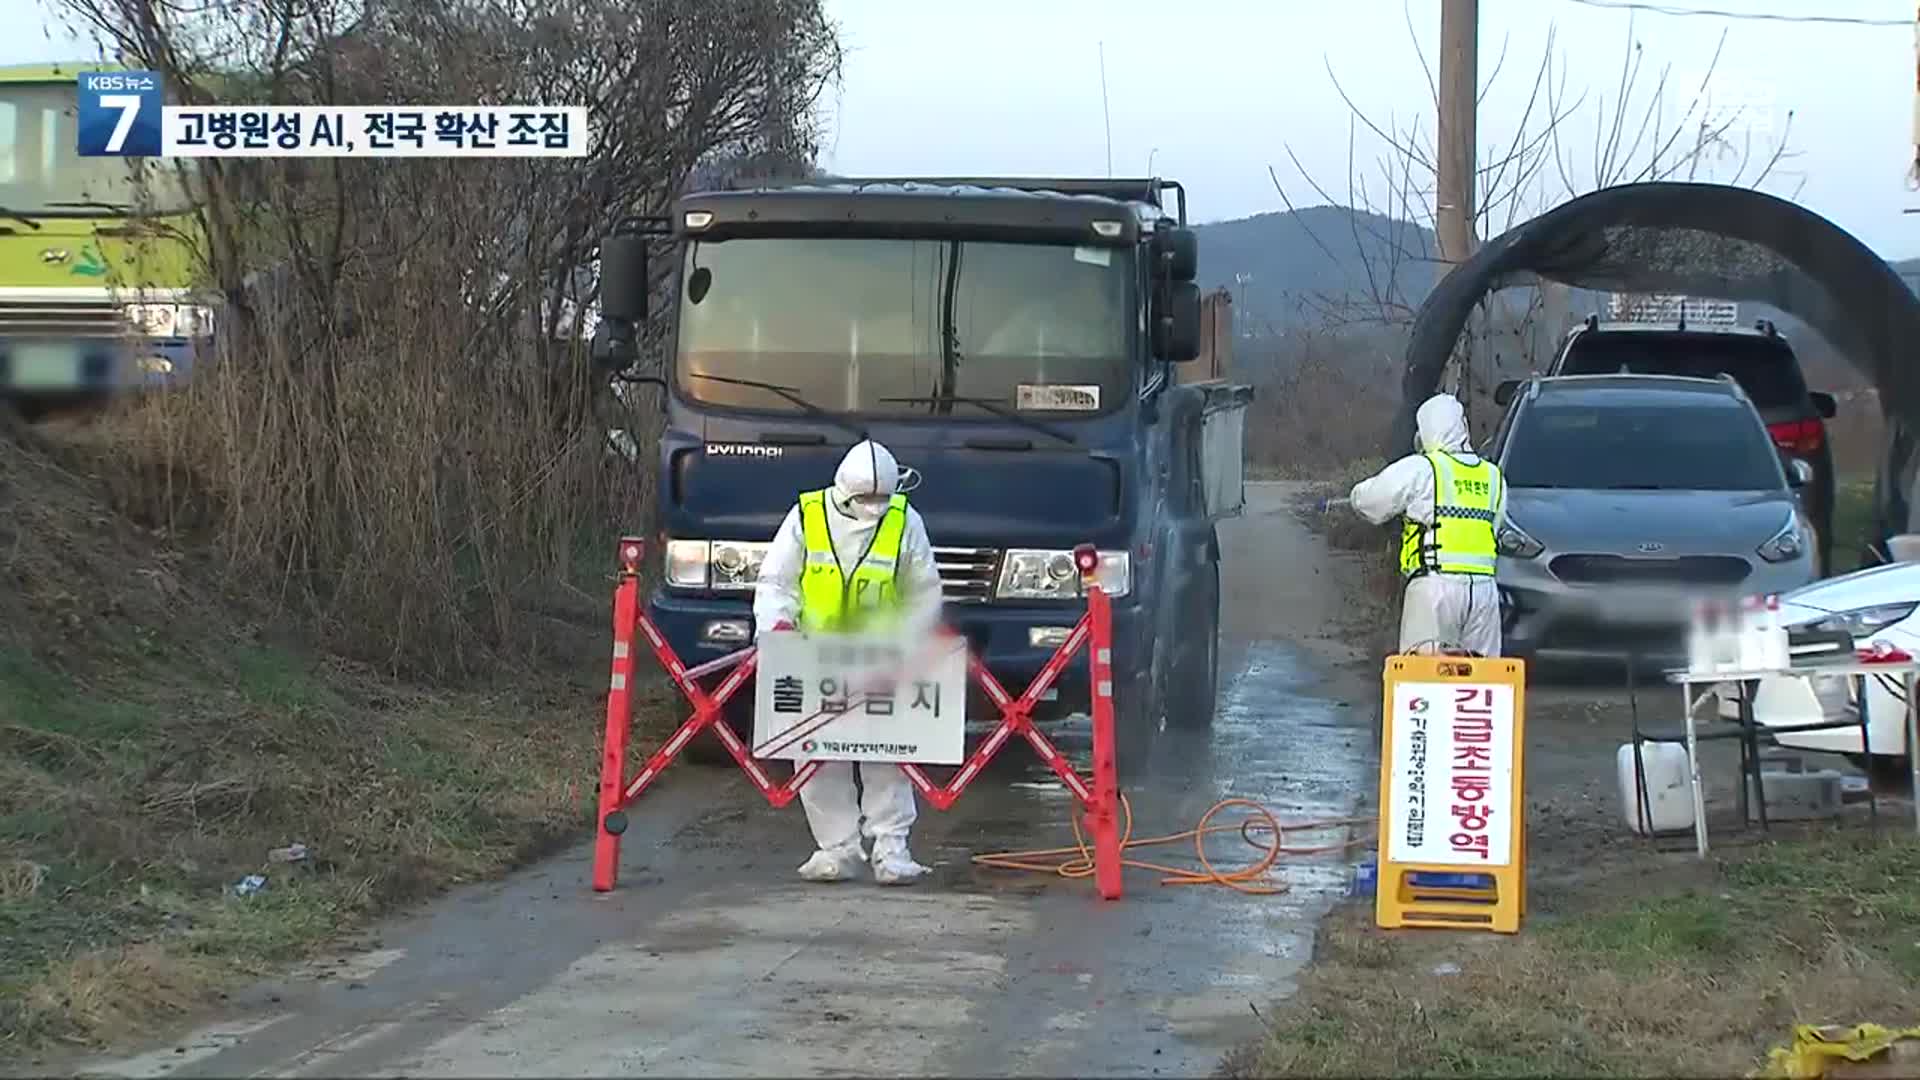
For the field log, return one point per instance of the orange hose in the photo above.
(1077, 861)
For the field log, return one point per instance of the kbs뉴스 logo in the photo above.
(118, 114)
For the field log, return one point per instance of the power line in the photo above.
(1758, 16)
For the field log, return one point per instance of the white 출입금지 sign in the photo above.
(849, 698)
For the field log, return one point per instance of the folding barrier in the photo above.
(1099, 798)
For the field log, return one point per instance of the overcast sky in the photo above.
(1214, 99)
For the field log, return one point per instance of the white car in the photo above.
(1877, 604)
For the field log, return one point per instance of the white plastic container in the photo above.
(1699, 641)
(1669, 799)
(1755, 647)
(1779, 647)
(1723, 629)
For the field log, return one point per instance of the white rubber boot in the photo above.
(839, 864)
(893, 865)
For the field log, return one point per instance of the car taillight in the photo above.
(1798, 436)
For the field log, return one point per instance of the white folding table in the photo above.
(1849, 668)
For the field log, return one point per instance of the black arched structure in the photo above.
(1706, 240)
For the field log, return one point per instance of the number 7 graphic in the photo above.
(129, 106)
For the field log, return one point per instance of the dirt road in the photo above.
(712, 959)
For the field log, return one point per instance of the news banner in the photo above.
(124, 114)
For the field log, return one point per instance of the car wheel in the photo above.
(1885, 772)
(1193, 683)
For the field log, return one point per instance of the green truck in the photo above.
(96, 296)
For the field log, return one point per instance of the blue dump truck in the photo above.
(1027, 347)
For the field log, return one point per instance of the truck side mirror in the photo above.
(1503, 394)
(623, 277)
(1825, 404)
(623, 300)
(1176, 322)
(1176, 254)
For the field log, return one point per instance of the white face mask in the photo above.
(862, 507)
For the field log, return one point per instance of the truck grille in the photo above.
(966, 574)
(1619, 570)
(27, 318)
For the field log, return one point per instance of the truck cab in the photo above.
(1015, 343)
(95, 293)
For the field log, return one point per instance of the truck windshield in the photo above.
(854, 324)
(42, 172)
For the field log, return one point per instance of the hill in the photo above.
(1278, 263)
(1283, 268)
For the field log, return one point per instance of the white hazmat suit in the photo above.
(1437, 610)
(884, 809)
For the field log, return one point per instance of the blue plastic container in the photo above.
(1366, 878)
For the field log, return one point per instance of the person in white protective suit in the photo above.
(854, 547)
(1453, 505)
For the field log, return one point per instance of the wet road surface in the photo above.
(711, 959)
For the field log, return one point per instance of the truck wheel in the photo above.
(1136, 725)
(1193, 671)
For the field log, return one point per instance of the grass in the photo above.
(165, 725)
(1630, 962)
(129, 806)
(1668, 973)
(1852, 521)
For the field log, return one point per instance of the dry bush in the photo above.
(401, 432)
(1326, 398)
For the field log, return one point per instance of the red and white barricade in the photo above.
(1099, 797)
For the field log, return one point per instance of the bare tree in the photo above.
(400, 423)
(1636, 137)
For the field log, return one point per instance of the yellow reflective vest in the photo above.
(1461, 540)
(834, 602)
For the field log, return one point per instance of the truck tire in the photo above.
(1193, 669)
(1136, 725)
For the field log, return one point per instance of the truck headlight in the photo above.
(722, 565)
(687, 563)
(170, 320)
(735, 565)
(1050, 575)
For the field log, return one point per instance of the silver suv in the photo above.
(1630, 495)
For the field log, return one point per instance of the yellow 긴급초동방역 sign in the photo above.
(1452, 830)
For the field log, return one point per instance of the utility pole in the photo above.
(1459, 91)
(1913, 175)
(1454, 189)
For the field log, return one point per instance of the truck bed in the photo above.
(1223, 426)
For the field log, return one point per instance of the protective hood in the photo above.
(1441, 424)
(868, 469)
